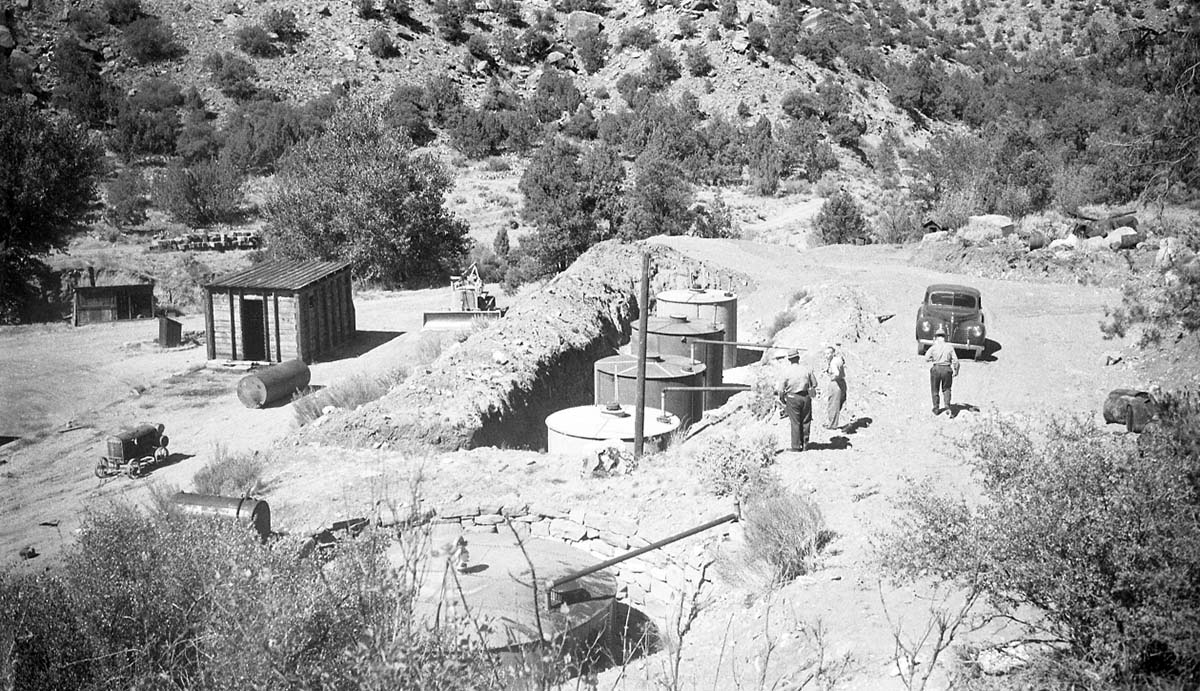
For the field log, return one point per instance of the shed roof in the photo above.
(279, 275)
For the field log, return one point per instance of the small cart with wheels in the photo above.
(133, 451)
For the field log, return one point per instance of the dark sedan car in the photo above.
(959, 310)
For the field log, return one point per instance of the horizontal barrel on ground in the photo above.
(269, 384)
(708, 306)
(252, 513)
(616, 381)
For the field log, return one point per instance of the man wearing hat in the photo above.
(795, 391)
(943, 371)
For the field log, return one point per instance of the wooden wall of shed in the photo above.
(304, 325)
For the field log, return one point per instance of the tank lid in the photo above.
(658, 366)
(595, 422)
(677, 325)
(696, 296)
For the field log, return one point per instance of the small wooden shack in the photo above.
(279, 310)
(109, 303)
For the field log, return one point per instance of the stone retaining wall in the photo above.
(652, 583)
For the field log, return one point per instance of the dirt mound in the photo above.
(1012, 261)
(497, 386)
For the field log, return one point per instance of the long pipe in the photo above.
(639, 420)
(637, 552)
(743, 344)
(669, 389)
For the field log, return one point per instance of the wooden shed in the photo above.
(279, 310)
(109, 303)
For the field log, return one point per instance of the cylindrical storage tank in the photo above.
(707, 306)
(616, 381)
(585, 429)
(269, 384)
(666, 336)
(252, 513)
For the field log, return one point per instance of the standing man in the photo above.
(943, 371)
(835, 368)
(795, 391)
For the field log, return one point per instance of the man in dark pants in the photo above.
(795, 391)
(943, 371)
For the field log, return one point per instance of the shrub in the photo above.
(898, 220)
(687, 26)
(254, 40)
(592, 48)
(783, 529)
(735, 464)
(696, 58)
(259, 133)
(149, 40)
(127, 198)
(81, 88)
(449, 20)
(200, 194)
(509, 11)
(85, 23)
(728, 16)
(443, 99)
(231, 474)
(233, 75)
(140, 130)
(479, 48)
(380, 44)
(365, 8)
(1090, 539)
(840, 221)
(555, 94)
(662, 68)
(639, 36)
(121, 12)
(714, 220)
(405, 111)
(160, 600)
(400, 10)
(282, 23)
(756, 36)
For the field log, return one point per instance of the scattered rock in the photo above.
(579, 22)
(1112, 358)
(27, 552)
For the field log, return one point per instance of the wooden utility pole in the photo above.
(639, 419)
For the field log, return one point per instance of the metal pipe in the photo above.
(742, 344)
(668, 389)
(637, 552)
(639, 420)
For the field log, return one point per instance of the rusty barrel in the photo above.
(270, 384)
(253, 513)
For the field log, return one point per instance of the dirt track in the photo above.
(1050, 361)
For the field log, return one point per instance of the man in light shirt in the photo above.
(795, 391)
(943, 371)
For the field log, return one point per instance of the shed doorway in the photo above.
(254, 329)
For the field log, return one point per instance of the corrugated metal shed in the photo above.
(279, 275)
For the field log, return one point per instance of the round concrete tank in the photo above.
(710, 306)
(666, 336)
(585, 429)
(616, 381)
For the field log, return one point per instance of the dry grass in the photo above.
(784, 531)
(231, 474)
(347, 394)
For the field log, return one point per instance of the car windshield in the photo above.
(953, 300)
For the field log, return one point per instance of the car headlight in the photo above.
(926, 326)
(976, 330)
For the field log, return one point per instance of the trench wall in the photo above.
(497, 387)
(652, 583)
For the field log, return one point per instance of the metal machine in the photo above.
(470, 301)
(132, 451)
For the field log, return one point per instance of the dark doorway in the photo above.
(254, 329)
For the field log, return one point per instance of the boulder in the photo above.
(1096, 244)
(739, 44)
(579, 22)
(1168, 249)
(992, 223)
(936, 236)
(1123, 238)
(1071, 242)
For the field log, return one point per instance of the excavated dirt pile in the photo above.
(497, 387)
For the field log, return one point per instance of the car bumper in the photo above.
(958, 346)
